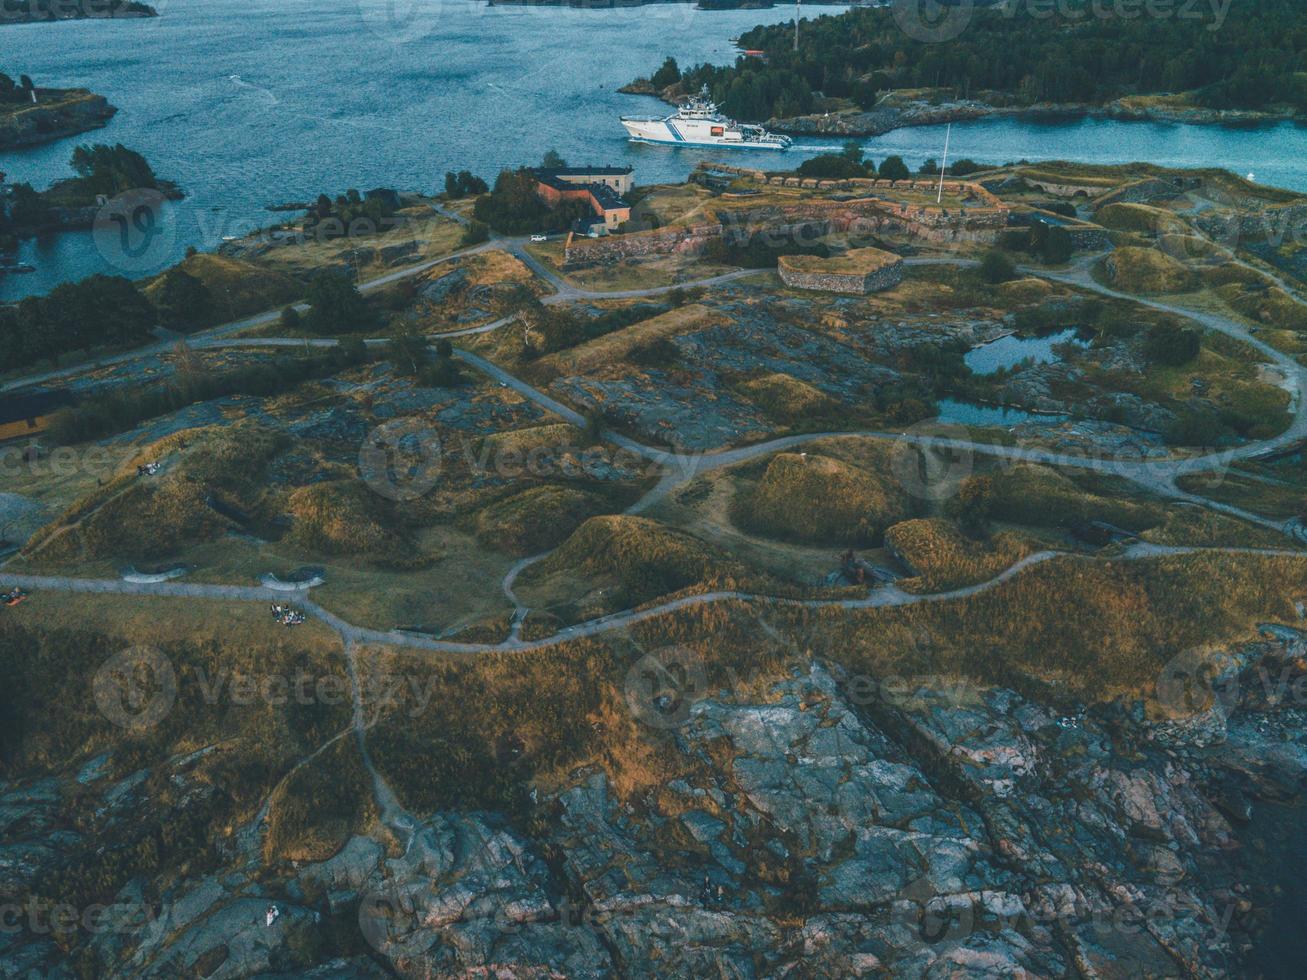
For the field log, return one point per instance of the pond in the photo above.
(954, 412)
(1007, 352)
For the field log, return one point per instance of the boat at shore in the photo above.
(699, 123)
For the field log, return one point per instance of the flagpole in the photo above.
(939, 198)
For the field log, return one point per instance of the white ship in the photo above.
(698, 123)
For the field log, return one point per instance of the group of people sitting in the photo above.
(147, 469)
(286, 615)
(13, 597)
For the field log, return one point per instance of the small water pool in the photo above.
(957, 412)
(1009, 351)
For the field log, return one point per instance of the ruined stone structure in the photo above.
(859, 211)
(858, 271)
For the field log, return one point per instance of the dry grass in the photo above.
(1140, 218)
(1072, 628)
(535, 520)
(237, 288)
(1031, 494)
(786, 399)
(611, 350)
(822, 500)
(944, 558)
(1146, 271)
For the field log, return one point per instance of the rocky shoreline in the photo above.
(917, 827)
(886, 118)
(62, 113)
(882, 120)
(129, 10)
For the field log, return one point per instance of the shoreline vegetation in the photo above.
(71, 204)
(31, 115)
(40, 11)
(858, 74)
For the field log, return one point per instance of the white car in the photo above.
(539, 238)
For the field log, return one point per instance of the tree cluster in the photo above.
(514, 208)
(1071, 54)
(100, 311)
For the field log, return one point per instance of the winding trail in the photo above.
(678, 468)
(878, 598)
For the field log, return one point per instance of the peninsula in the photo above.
(31, 115)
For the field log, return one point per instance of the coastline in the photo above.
(886, 118)
(128, 11)
(879, 121)
(68, 113)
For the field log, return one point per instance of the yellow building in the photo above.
(28, 414)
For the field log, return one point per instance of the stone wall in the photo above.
(807, 273)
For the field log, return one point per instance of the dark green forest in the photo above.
(1253, 59)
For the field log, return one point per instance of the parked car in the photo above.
(539, 238)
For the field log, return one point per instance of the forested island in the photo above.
(31, 11)
(861, 73)
(102, 171)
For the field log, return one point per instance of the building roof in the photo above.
(17, 408)
(608, 198)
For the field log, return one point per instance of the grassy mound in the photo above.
(821, 500)
(558, 436)
(344, 517)
(1139, 218)
(787, 399)
(237, 288)
(1073, 627)
(944, 558)
(535, 520)
(1146, 270)
(645, 558)
(135, 518)
(1037, 495)
(320, 806)
(1271, 306)
(1027, 290)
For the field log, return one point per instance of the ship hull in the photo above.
(666, 133)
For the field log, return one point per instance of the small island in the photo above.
(37, 11)
(102, 171)
(30, 115)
